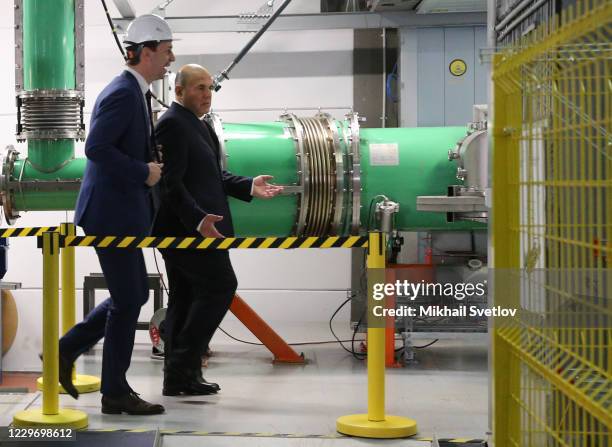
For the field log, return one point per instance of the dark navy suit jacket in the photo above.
(193, 184)
(114, 199)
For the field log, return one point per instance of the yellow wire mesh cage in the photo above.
(552, 228)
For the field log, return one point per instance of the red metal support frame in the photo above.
(283, 353)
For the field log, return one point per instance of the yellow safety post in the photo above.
(50, 414)
(83, 383)
(376, 424)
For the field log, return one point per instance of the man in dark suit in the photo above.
(194, 192)
(115, 200)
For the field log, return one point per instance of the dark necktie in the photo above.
(154, 148)
(209, 139)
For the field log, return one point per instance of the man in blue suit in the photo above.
(116, 200)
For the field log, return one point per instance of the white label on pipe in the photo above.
(384, 154)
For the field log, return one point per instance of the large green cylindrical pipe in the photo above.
(413, 162)
(62, 198)
(262, 148)
(46, 200)
(48, 64)
(423, 170)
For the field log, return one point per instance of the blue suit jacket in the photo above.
(114, 199)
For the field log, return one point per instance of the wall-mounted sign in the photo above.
(457, 67)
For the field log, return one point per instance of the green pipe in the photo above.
(46, 201)
(50, 155)
(49, 63)
(30, 200)
(421, 168)
(262, 148)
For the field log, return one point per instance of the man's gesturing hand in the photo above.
(264, 190)
(155, 171)
(208, 229)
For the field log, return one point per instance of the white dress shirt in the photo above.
(142, 82)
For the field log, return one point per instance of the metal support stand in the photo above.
(97, 281)
(83, 383)
(50, 415)
(376, 424)
(283, 353)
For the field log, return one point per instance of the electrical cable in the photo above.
(239, 340)
(304, 343)
(159, 101)
(114, 30)
(427, 345)
(337, 339)
(254, 343)
(370, 208)
(161, 278)
(392, 77)
(352, 352)
(355, 354)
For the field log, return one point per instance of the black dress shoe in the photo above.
(129, 403)
(65, 375)
(188, 387)
(201, 379)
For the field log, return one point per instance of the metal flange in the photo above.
(296, 131)
(352, 120)
(8, 167)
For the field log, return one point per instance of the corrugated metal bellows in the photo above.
(320, 153)
(50, 114)
(322, 170)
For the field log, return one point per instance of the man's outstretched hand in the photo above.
(264, 190)
(208, 229)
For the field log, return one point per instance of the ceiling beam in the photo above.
(296, 22)
(125, 8)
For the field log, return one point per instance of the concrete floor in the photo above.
(445, 392)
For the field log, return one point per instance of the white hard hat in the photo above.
(146, 28)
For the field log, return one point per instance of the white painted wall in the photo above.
(430, 94)
(318, 276)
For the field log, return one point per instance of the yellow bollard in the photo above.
(375, 424)
(83, 383)
(68, 289)
(50, 414)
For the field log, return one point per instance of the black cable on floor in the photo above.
(427, 345)
(290, 344)
(161, 277)
(350, 351)
(353, 352)
(341, 342)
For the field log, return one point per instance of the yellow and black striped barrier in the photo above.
(26, 231)
(198, 243)
(212, 243)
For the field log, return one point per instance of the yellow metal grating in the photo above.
(552, 228)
